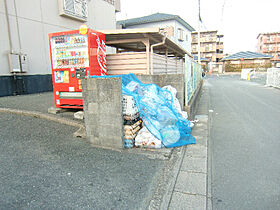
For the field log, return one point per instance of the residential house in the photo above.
(26, 25)
(178, 30)
(247, 59)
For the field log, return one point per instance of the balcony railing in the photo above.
(220, 46)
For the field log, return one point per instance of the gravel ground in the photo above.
(43, 166)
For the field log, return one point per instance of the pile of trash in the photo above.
(132, 121)
(133, 136)
(165, 124)
(153, 117)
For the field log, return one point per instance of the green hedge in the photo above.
(239, 67)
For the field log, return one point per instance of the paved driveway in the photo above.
(43, 166)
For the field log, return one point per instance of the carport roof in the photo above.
(133, 40)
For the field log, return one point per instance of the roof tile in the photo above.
(154, 18)
(246, 55)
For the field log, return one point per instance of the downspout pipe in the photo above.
(152, 52)
(9, 27)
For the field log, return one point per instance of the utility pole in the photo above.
(198, 32)
(198, 36)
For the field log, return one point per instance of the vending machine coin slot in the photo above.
(80, 73)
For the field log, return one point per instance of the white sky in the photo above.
(241, 20)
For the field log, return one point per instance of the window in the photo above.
(187, 37)
(180, 34)
(111, 1)
(76, 9)
(207, 48)
(194, 48)
(194, 38)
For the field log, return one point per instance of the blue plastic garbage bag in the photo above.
(155, 106)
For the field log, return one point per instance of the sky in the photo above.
(240, 21)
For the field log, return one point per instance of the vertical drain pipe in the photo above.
(9, 27)
(19, 41)
(10, 43)
(152, 51)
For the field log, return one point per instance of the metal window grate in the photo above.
(110, 1)
(75, 9)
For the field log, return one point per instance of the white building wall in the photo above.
(38, 18)
(162, 24)
(187, 39)
(185, 44)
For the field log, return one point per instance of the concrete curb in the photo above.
(162, 200)
(166, 183)
(167, 198)
(209, 205)
(172, 175)
(192, 189)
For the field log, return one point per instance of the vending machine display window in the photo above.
(70, 51)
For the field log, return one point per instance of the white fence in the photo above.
(193, 77)
(273, 77)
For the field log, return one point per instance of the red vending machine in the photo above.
(75, 55)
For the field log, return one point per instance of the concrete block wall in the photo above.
(102, 98)
(175, 80)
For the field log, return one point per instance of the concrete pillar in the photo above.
(102, 99)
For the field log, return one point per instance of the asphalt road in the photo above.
(43, 167)
(245, 144)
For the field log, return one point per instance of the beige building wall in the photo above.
(269, 43)
(32, 20)
(211, 45)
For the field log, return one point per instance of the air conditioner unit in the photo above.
(76, 9)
